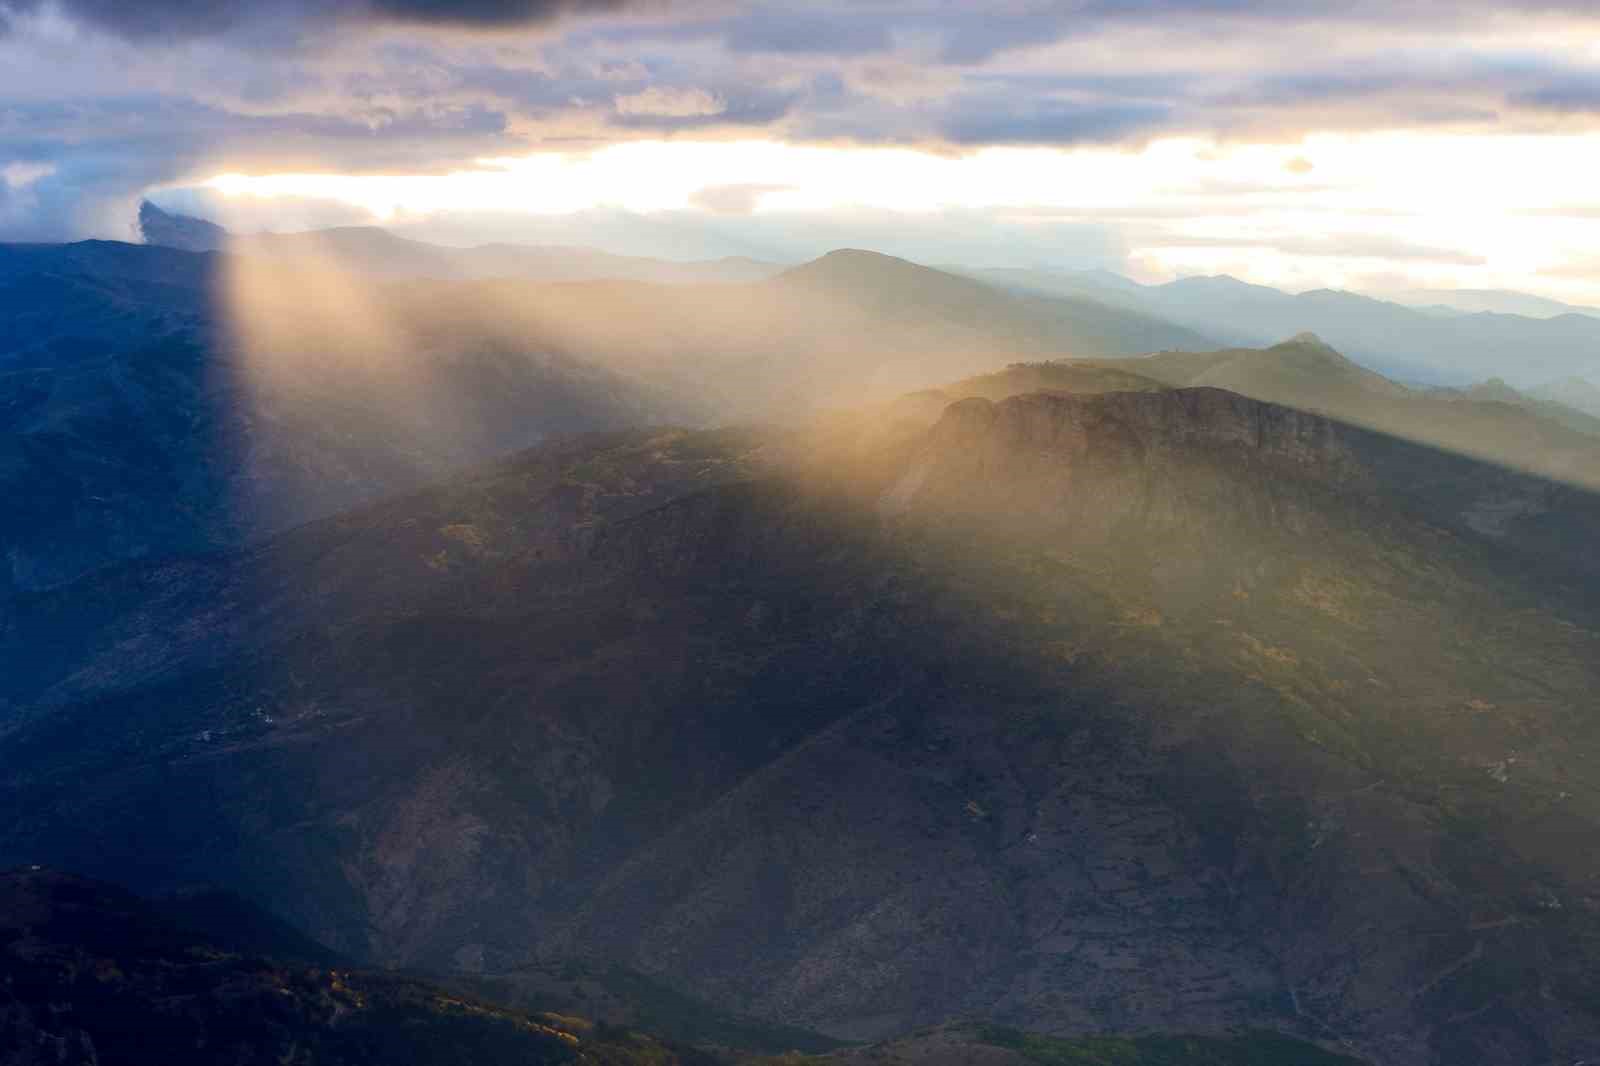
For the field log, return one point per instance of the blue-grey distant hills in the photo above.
(1406, 342)
(1440, 336)
(1499, 301)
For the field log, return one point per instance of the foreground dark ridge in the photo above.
(1159, 711)
(95, 977)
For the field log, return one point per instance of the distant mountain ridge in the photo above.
(1401, 341)
(1499, 301)
(1527, 340)
(374, 252)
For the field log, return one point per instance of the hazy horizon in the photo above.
(1443, 146)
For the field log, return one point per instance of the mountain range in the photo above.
(865, 660)
(1436, 336)
(375, 252)
(1401, 341)
(1162, 710)
(156, 400)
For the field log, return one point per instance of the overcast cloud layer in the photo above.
(101, 100)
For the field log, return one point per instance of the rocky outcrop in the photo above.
(184, 232)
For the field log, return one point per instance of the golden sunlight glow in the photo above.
(1330, 209)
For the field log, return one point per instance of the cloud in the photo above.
(165, 90)
(666, 110)
(733, 199)
(1569, 96)
(21, 175)
(810, 33)
(145, 19)
(1582, 269)
(670, 103)
(1347, 246)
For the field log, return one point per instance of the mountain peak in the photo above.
(846, 262)
(179, 231)
(862, 275)
(1306, 339)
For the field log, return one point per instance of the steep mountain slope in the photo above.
(1160, 710)
(65, 305)
(169, 230)
(182, 440)
(1549, 518)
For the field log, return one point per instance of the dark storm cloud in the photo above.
(144, 19)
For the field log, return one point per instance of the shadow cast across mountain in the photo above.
(157, 402)
(1164, 710)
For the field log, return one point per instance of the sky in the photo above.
(1373, 146)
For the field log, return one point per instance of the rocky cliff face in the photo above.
(1089, 464)
(1114, 713)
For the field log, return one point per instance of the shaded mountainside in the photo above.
(155, 401)
(176, 446)
(92, 976)
(992, 1045)
(1549, 517)
(1536, 500)
(1165, 710)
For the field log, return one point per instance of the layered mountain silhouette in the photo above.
(1443, 337)
(855, 650)
(157, 401)
(1498, 301)
(1578, 394)
(1163, 710)
(372, 251)
(1528, 348)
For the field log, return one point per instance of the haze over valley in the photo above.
(620, 533)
